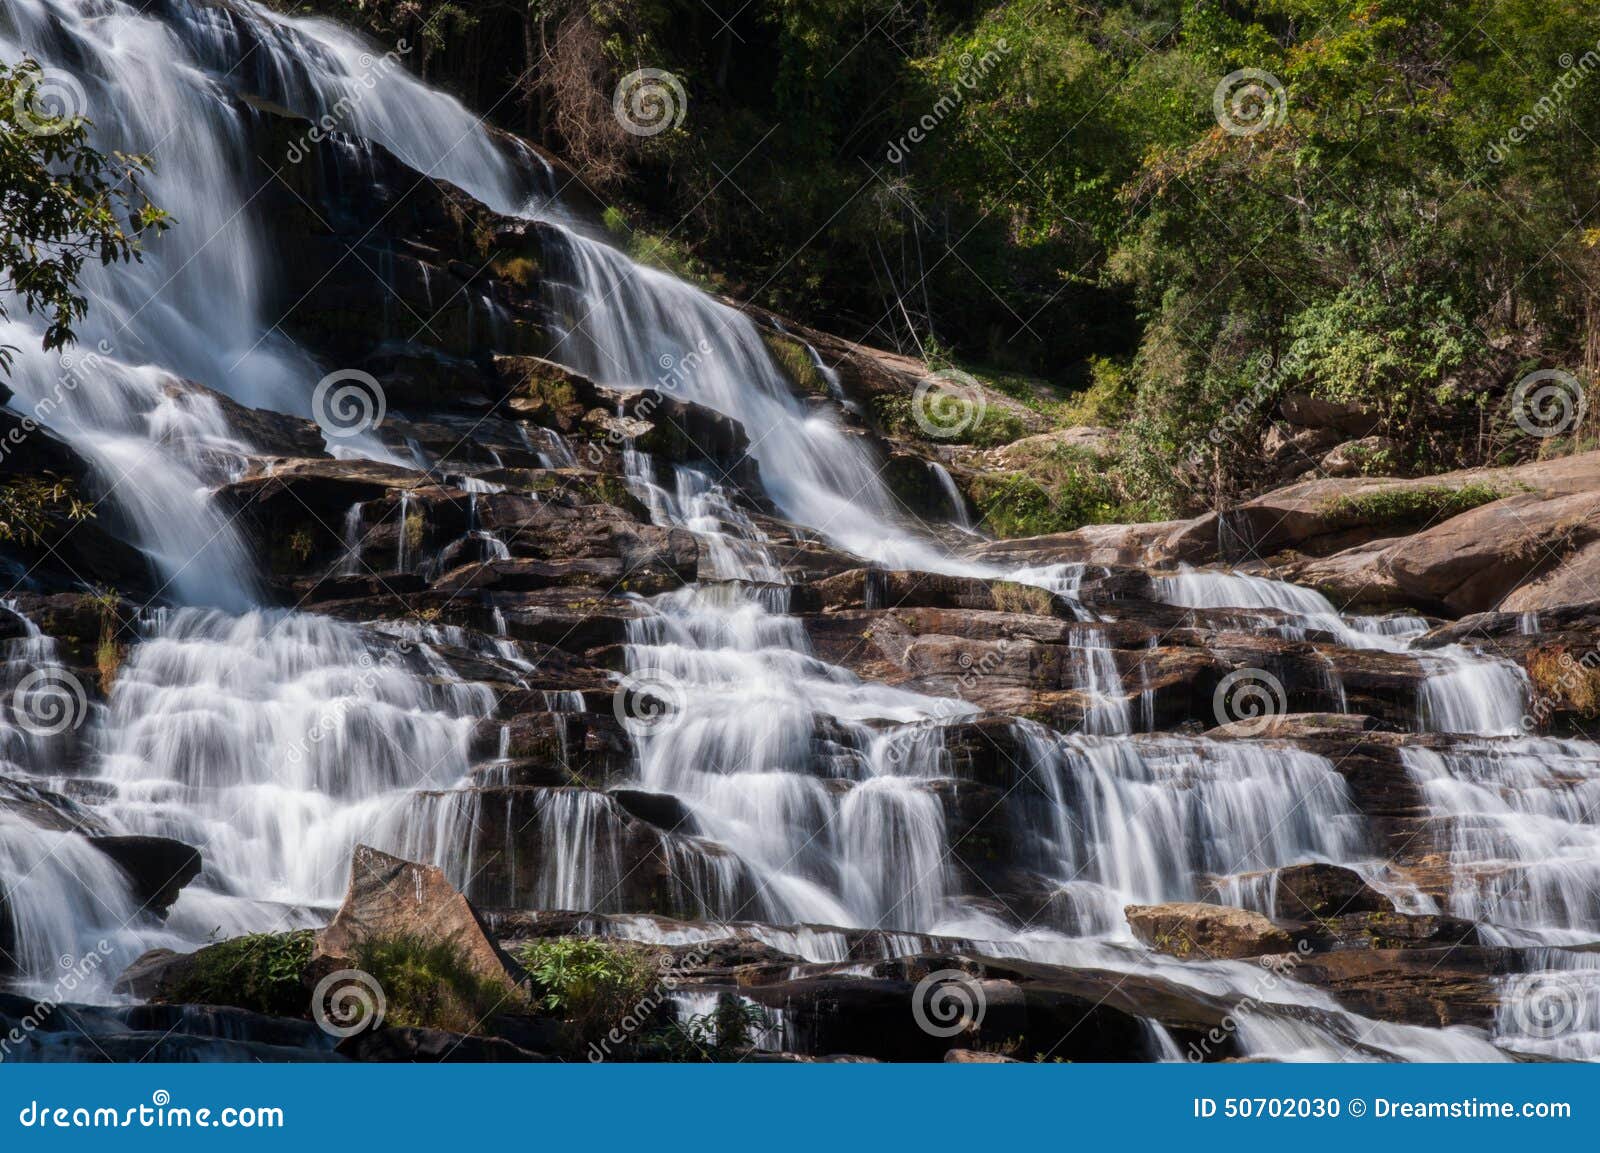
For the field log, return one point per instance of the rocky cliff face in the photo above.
(557, 647)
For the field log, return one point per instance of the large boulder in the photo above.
(1305, 892)
(157, 867)
(392, 897)
(1192, 931)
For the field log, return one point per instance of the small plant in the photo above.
(588, 983)
(430, 984)
(723, 1034)
(27, 503)
(260, 972)
(301, 545)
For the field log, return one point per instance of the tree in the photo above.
(62, 202)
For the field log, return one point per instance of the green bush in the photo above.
(589, 983)
(262, 972)
(429, 984)
(724, 1034)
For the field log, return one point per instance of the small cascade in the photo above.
(1524, 823)
(1118, 822)
(1094, 673)
(959, 515)
(277, 741)
(352, 535)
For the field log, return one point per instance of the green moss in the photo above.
(261, 972)
(1412, 505)
(796, 363)
(1018, 598)
(429, 984)
(1058, 491)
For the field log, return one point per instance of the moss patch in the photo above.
(1413, 505)
(795, 363)
(1062, 489)
(1010, 597)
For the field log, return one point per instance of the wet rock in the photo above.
(1454, 985)
(1192, 931)
(1304, 892)
(158, 867)
(390, 897)
(976, 1057)
(433, 1046)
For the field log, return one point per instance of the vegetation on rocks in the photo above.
(261, 972)
(429, 983)
(1413, 504)
(588, 983)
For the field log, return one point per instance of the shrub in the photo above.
(260, 972)
(429, 984)
(588, 983)
(720, 1035)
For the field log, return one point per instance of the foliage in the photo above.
(1413, 504)
(62, 204)
(429, 983)
(260, 972)
(723, 1034)
(1057, 490)
(1412, 221)
(589, 983)
(29, 503)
